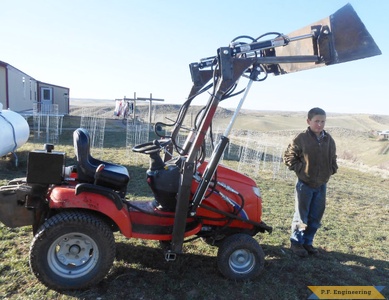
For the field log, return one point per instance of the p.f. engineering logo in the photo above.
(346, 292)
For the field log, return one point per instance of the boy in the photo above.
(312, 156)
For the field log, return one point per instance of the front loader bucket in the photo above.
(339, 38)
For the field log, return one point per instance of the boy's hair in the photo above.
(316, 111)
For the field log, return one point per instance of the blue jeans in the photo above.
(309, 209)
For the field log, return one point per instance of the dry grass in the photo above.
(353, 242)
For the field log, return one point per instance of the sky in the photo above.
(111, 49)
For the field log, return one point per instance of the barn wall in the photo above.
(22, 90)
(3, 89)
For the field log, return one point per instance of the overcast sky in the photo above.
(110, 49)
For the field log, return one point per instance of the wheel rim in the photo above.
(73, 255)
(242, 261)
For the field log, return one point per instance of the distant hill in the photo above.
(248, 119)
(356, 135)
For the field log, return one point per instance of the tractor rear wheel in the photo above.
(240, 257)
(72, 250)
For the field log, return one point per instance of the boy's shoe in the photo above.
(311, 250)
(299, 250)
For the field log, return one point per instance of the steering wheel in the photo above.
(151, 147)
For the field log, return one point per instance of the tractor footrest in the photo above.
(170, 256)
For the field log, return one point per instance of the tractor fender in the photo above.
(64, 197)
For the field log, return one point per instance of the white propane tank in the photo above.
(14, 131)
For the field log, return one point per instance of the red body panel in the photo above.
(65, 197)
(146, 222)
(132, 223)
(158, 221)
(252, 208)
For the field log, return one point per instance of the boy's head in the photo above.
(316, 120)
(316, 111)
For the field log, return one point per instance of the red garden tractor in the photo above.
(74, 210)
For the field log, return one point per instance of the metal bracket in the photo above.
(325, 44)
(170, 256)
(226, 63)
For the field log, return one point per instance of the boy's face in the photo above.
(317, 123)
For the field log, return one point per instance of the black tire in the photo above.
(240, 257)
(72, 250)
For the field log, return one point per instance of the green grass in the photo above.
(353, 242)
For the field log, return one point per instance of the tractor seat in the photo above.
(113, 176)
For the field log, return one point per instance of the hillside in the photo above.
(356, 135)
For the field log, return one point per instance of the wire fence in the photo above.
(95, 124)
(46, 122)
(252, 152)
(255, 153)
(136, 135)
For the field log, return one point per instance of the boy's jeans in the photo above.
(309, 209)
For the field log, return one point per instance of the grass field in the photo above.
(353, 243)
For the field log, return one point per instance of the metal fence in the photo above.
(135, 135)
(95, 124)
(252, 152)
(47, 123)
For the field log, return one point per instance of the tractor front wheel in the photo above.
(240, 257)
(72, 250)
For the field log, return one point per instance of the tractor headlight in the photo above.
(257, 191)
